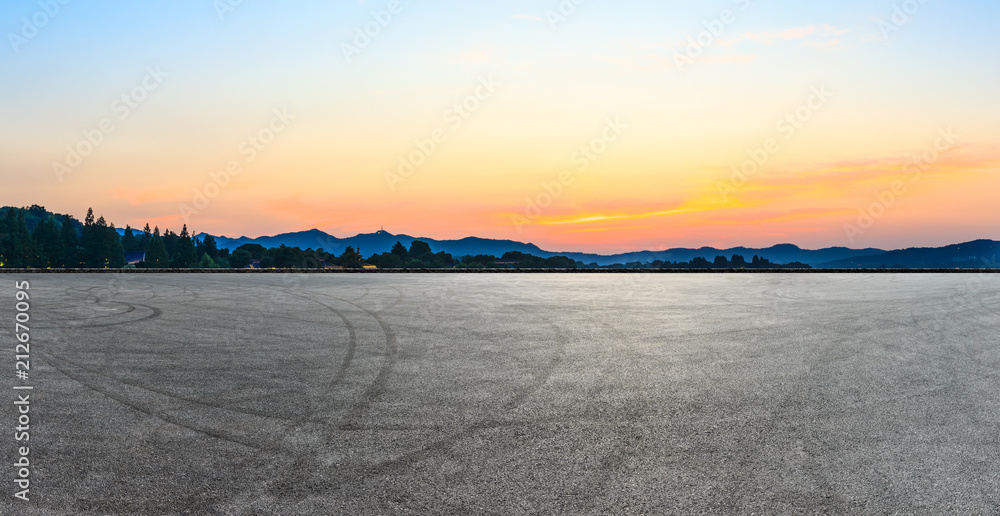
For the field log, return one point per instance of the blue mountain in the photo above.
(382, 241)
(970, 255)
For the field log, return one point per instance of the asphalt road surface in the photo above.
(508, 394)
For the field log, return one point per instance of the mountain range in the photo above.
(970, 255)
(975, 254)
(980, 253)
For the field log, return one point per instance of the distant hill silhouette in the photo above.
(382, 241)
(975, 254)
(781, 253)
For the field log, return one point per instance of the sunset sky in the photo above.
(334, 130)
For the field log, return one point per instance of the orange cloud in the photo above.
(625, 216)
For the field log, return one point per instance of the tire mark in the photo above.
(399, 299)
(321, 412)
(227, 408)
(338, 378)
(378, 387)
(150, 410)
(89, 295)
(445, 443)
(362, 296)
(154, 312)
(437, 447)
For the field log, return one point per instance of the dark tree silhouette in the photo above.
(129, 242)
(49, 245)
(185, 255)
(208, 246)
(147, 235)
(399, 250)
(70, 243)
(156, 257)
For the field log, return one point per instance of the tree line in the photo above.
(57, 242)
(737, 261)
(33, 237)
(63, 242)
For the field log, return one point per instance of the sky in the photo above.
(577, 125)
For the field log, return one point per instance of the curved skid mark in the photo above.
(154, 312)
(89, 295)
(345, 364)
(374, 392)
(441, 445)
(320, 413)
(150, 411)
(362, 296)
(167, 393)
(399, 299)
(377, 388)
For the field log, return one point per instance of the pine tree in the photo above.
(129, 242)
(170, 242)
(116, 253)
(90, 241)
(156, 256)
(146, 236)
(70, 244)
(208, 246)
(96, 244)
(185, 255)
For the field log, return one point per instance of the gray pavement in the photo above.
(509, 394)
